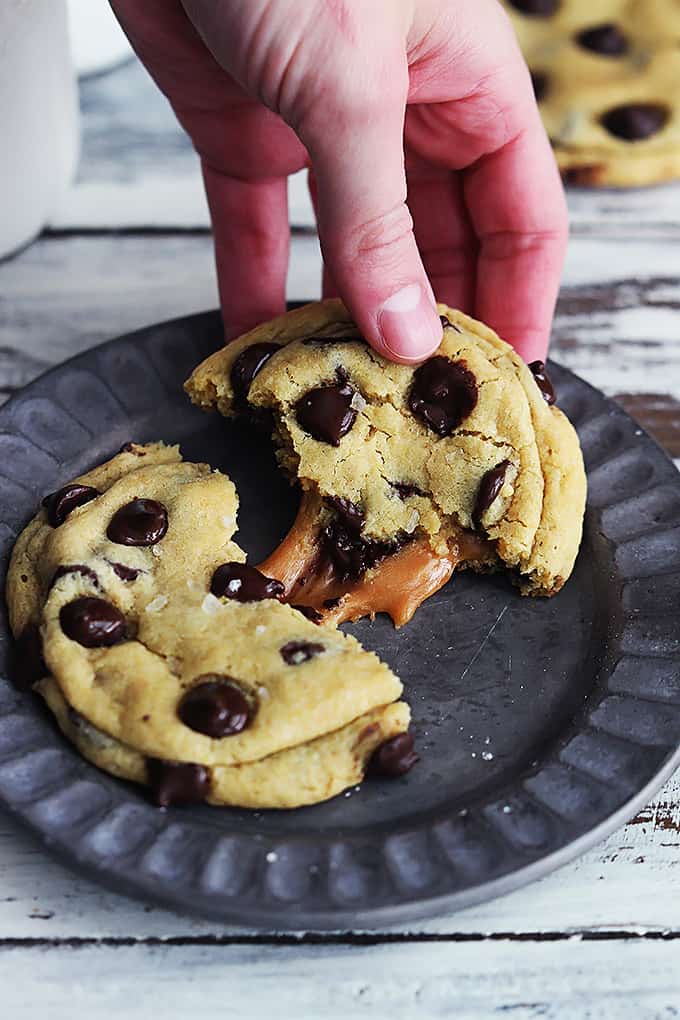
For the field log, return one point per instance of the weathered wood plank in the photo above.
(618, 320)
(138, 170)
(630, 883)
(622, 980)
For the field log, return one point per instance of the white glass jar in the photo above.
(38, 117)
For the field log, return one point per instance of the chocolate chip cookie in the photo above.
(169, 660)
(607, 79)
(406, 471)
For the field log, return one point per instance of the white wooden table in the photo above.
(601, 937)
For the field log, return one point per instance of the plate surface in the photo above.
(542, 724)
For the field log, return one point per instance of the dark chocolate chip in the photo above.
(608, 40)
(351, 515)
(327, 413)
(75, 568)
(394, 757)
(443, 394)
(312, 614)
(536, 8)
(59, 504)
(635, 121)
(297, 652)
(489, 487)
(406, 489)
(539, 81)
(28, 666)
(92, 622)
(139, 522)
(543, 381)
(247, 365)
(177, 782)
(350, 554)
(125, 573)
(244, 583)
(216, 706)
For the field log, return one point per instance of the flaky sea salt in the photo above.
(228, 521)
(156, 551)
(487, 755)
(412, 523)
(271, 857)
(357, 403)
(210, 604)
(155, 606)
(260, 629)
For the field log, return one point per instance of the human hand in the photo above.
(373, 98)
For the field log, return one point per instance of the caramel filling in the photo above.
(397, 585)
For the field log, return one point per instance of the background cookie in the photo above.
(607, 78)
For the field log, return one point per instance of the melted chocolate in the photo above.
(92, 622)
(635, 121)
(326, 412)
(351, 515)
(310, 613)
(176, 782)
(59, 504)
(296, 652)
(75, 568)
(607, 40)
(543, 382)
(216, 707)
(244, 583)
(350, 554)
(247, 365)
(125, 573)
(140, 522)
(443, 394)
(28, 665)
(393, 758)
(489, 487)
(406, 489)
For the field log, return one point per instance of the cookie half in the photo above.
(407, 472)
(133, 606)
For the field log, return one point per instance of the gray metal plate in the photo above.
(542, 724)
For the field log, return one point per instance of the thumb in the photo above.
(365, 228)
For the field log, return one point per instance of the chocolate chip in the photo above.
(75, 568)
(543, 382)
(351, 515)
(327, 413)
(28, 664)
(247, 365)
(297, 652)
(140, 522)
(92, 622)
(310, 613)
(125, 573)
(443, 394)
(244, 583)
(216, 706)
(635, 121)
(489, 487)
(539, 82)
(536, 8)
(59, 504)
(393, 758)
(177, 782)
(351, 555)
(406, 489)
(608, 40)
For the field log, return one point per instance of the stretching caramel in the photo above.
(397, 585)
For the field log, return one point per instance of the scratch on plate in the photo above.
(483, 644)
